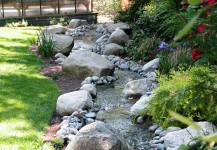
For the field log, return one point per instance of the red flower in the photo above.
(210, 2)
(196, 54)
(201, 28)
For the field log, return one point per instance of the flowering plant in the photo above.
(203, 34)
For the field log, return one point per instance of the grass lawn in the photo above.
(27, 98)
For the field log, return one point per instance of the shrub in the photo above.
(142, 47)
(191, 93)
(22, 23)
(46, 43)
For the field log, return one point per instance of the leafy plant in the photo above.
(191, 93)
(22, 23)
(142, 47)
(46, 43)
(58, 143)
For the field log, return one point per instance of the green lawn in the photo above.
(27, 99)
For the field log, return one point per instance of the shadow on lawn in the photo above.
(29, 98)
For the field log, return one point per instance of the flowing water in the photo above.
(115, 109)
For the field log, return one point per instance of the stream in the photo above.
(115, 110)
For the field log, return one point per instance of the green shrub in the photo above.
(46, 43)
(22, 23)
(107, 7)
(192, 93)
(142, 47)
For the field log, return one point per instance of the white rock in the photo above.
(89, 88)
(147, 67)
(174, 139)
(140, 105)
(73, 101)
(137, 88)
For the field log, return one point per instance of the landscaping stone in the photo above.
(60, 55)
(90, 115)
(149, 66)
(73, 101)
(113, 49)
(54, 29)
(63, 43)
(119, 37)
(89, 88)
(74, 23)
(137, 88)
(153, 128)
(174, 139)
(97, 136)
(139, 106)
(85, 63)
(120, 25)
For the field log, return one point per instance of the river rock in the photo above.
(119, 37)
(82, 63)
(137, 88)
(73, 101)
(54, 29)
(60, 55)
(63, 43)
(89, 88)
(139, 106)
(120, 25)
(74, 23)
(149, 66)
(103, 39)
(97, 136)
(113, 49)
(173, 140)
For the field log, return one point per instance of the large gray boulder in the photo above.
(97, 136)
(113, 49)
(173, 140)
(137, 88)
(119, 37)
(73, 101)
(151, 65)
(63, 43)
(54, 29)
(140, 105)
(120, 25)
(83, 63)
(74, 23)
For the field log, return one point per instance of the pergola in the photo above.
(23, 8)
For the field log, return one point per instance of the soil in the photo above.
(65, 83)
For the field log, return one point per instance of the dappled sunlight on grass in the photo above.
(27, 99)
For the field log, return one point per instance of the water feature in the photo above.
(115, 110)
